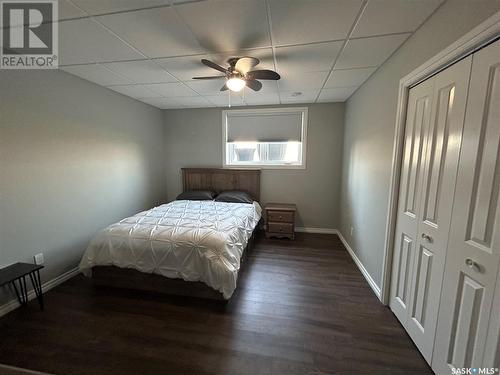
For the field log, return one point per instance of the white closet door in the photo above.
(472, 262)
(417, 124)
(435, 120)
(440, 164)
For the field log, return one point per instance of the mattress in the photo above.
(192, 240)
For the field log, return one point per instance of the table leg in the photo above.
(18, 295)
(25, 287)
(22, 292)
(37, 286)
(40, 286)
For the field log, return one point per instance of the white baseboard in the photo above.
(316, 230)
(369, 279)
(14, 304)
(364, 272)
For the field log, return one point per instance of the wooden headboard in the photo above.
(218, 179)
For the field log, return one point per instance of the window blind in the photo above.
(264, 127)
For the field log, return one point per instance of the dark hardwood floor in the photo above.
(301, 307)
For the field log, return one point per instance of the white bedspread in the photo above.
(192, 240)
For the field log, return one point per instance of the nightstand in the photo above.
(280, 220)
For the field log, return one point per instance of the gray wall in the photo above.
(74, 157)
(369, 128)
(194, 138)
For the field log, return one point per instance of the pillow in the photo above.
(196, 195)
(234, 197)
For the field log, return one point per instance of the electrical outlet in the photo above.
(39, 259)
(352, 230)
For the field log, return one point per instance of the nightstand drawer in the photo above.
(280, 216)
(280, 227)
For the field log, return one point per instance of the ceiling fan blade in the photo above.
(210, 77)
(254, 85)
(214, 65)
(244, 64)
(224, 88)
(263, 74)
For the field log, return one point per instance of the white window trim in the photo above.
(302, 110)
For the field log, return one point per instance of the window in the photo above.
(265, 138)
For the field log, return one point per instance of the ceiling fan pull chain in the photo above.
(229, 92)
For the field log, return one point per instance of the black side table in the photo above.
(18, 272)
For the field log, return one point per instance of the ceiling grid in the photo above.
(151, 49)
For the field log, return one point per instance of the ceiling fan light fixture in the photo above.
(238, 74)
(235, 84)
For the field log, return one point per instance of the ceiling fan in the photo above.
(238, 74)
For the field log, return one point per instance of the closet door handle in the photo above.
(473, 265)
(426, 237)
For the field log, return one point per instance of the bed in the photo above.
(185, 247)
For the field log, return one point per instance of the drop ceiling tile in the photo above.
(303, 81)
(268, 87)
(163, 103)
(157, 32)
(144, 71)
(306, 58)
(349, 77)
(227, 25)
(186, 67)
(169, 90)
(108, 6)
(96, 73)
(195, 102)
(135, 91)
(222, 100)
(307, 96)
(85, 41)
(67, 10)
(369, 52)
(393, 16)
(262, 98)
(339, 94)
(299, 21)
(268, 94)
(207, 87)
